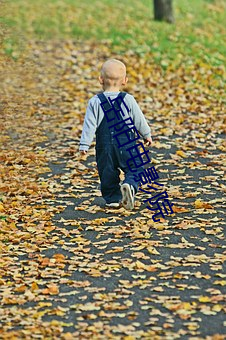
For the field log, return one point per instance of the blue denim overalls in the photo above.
(110, 157)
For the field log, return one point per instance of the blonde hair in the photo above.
(112, 71)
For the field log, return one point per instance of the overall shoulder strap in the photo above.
(103, 99)
(122, 94)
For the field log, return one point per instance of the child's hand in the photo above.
(83, 152)
(148, 141)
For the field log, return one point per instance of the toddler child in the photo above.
(112, 153)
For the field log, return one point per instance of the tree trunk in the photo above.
(163, 10)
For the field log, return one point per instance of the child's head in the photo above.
(113, 75)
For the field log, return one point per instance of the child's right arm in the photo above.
(89, 129)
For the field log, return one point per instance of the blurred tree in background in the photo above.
(163, 10)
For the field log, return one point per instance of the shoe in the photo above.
(128, 194)
(113, 205)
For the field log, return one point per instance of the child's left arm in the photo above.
(148, 141)
(140, 122)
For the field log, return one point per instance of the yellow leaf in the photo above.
(44, 304)
(115, 250)
(78, 239)
(140, 265)
(159, 226)
(187, 306)
(181, 153)
(153, 251)
(158, 289)
(154, 161)
(38, 315)
(217, 308)
(67, 336)
(204, 299)
(100, 221)
(222, 282)
(192, 326)
(12, 225)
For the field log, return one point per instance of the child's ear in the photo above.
(125, 81)
(101, 80)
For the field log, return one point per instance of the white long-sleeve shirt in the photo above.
(95, 114)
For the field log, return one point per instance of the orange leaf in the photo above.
(178, 209)
(45, 262)
(200, 204)
(53, 289)
(59, 257)
(34, 286)
(20, 289)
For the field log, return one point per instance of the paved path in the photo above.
(107, 274)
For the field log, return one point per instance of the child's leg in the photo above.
(109, 174)
(129, 187)
(129, 175)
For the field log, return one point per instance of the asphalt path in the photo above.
(182, 296)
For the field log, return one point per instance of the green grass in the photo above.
(198, 31)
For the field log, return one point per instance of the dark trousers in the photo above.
(110, 159)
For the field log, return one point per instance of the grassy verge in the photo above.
(197, 33)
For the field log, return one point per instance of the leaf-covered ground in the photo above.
(69, 268)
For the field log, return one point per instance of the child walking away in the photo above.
(117, 121)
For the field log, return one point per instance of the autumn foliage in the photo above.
(71, 269)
